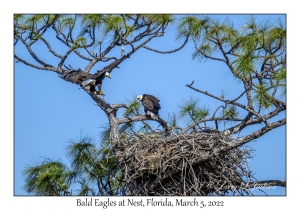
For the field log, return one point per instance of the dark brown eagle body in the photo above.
(99, 76)
(151, 105)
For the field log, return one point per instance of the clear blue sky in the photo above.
(49, 111)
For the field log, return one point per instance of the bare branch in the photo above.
(170, 51)
(264, 184)
(207, 120)
(50, 48)
(247, 121)
(64, 58)
(66, 41)
(49, 68)
(31, 51)
(117, 106)
(106, 107)
(230, 102)
(91, 64)
(141, 118)
(253, 136)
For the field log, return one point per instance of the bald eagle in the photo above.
(99, 79)
(96, 81)
(79, 76)
(151, 105)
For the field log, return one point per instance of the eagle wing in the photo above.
(76, 77)
(148, 105)
(79, 76)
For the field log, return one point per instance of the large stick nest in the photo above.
(158, 164)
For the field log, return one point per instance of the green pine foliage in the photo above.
(191, 112)
(48, 178)
(134, 108)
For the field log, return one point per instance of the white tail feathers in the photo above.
(152, 115)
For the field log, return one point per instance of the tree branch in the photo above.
(117, 106)
(209, 119)
(170, 51)
(247, 122)
(50, 48)
(31, 51)
(230, 102)
(264, 184)
(141, 118)
(252, 136)
(38, 67)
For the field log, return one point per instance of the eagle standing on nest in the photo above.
(151, 105)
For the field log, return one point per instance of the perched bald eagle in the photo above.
(151, 105)
(96, 81)
(99, 79)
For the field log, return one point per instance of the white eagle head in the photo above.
(107, 74)
(140, 97)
